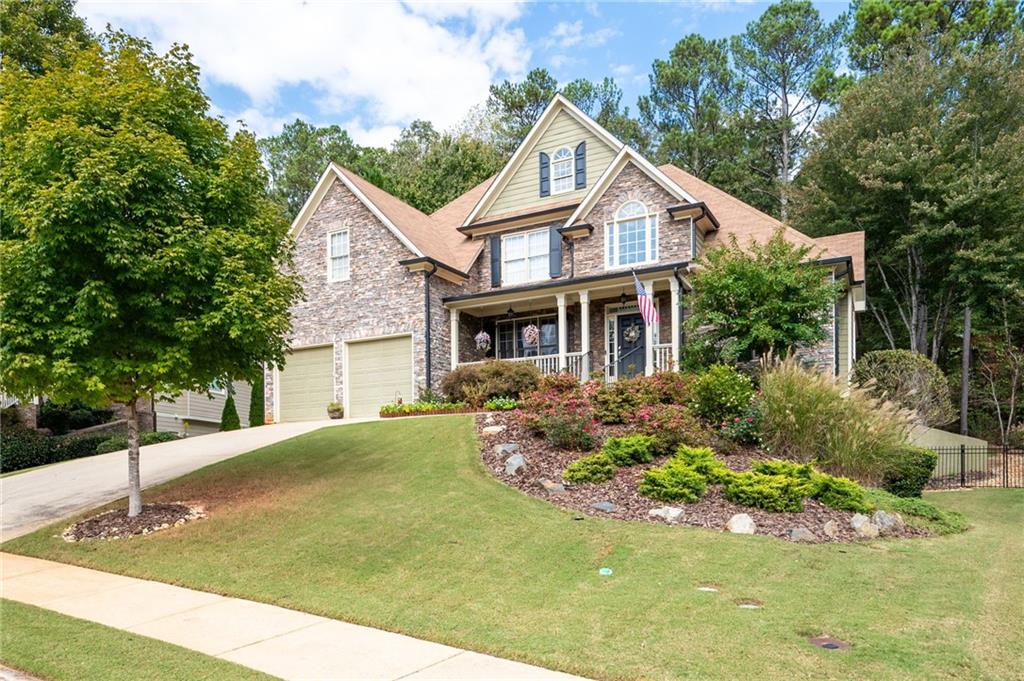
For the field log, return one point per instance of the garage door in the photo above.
(307, 384)
(378, 372)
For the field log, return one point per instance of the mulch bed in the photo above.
(712, 511)
(117, 525)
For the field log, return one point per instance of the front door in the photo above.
(630, 338)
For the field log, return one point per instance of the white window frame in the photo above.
(533, 319)
(570, 176)
(217, 388)
(526, 257)
(347, 255)
(611, 241)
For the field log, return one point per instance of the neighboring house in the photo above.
(194, 413)
(394, 297)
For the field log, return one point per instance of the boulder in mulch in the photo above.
(886, 522)
(741, 523)
(858, 519)
(801, 534)
(863, 526)
(514, 464)
(551, 487)
(492, 430)
(604, 506)
(507, 448)
(117, 525)
(831, 529)
(670, 514)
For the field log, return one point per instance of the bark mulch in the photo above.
(117, 525)
(713, 511)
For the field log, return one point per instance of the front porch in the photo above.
(590, 330)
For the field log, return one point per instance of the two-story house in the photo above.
(396, 298)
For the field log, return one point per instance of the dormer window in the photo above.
(562, 171)
(632, 237)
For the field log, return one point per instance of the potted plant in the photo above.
(335, 410)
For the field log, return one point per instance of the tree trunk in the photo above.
(965, 370)
(134, 483)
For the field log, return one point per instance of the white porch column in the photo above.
(674, 285)
(649, 334)
(563, 343)
(585, 334)
(454, 316)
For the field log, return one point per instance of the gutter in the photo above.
(437, 264)
(848, 272)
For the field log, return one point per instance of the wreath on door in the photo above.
(632, 333)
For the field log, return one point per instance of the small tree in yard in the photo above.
(748, 302)
(229, 415)
(257, 410)
(140, 251)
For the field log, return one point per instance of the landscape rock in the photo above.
(506, 448)
(741, 523)
(801, 534)
(858, 519)
(492, 430)
(551, 487)
(605, 506)
(514, 463)
(831, 529)
(887, 522)
(670, 514)
(867, 530)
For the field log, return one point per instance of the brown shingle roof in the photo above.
(848, 243)
(450, 217)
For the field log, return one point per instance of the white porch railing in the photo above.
(663, 360)
(548, 364)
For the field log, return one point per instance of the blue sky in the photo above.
(374, 67)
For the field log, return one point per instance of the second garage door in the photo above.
(307, 384)
(379, 371)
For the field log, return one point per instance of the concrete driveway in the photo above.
(36, 498)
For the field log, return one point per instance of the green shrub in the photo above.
(776, 493)
(744, 429)
(703, 461)
(229, 415)
(567, 430)
(674, 481)
(113, 444)
(909, 470)
(257, 407)
(626, 451)
(842, 494)
(804, 471)
(501, 404)
(477, 383)
(614, 402)
(594, 468)
(909, 379)
(670, 425)
(414, 408)
(807, 416)
(919, 512)
(721, 393)
(25, 448)
(74, 415)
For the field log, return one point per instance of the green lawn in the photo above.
(54, 646)
(397, 525)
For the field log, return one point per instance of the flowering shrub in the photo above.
(670, 425)
(614, 402)
(568, 430)
(721, 393)
(745, 428)
(593, 468)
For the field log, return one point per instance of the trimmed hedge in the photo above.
(26, 448)
(419, 408)
(477, 383)
(909, 470)
(118, 442)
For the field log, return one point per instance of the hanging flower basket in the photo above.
(531, 334)
(483, 341)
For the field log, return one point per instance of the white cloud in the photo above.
(383, 63)
(568, 34)
(723, 5)
(626, 73)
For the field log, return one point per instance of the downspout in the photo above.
(427, 274)
(835, 331)
(682, 308)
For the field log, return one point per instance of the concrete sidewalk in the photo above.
(285, 643)
(35, 498)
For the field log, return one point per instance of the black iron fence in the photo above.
(990, 466)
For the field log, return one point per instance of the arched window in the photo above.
(632, 237)
(561, 171)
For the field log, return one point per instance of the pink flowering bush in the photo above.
(560, 410)
(614, 402)
(670, 425)
(745, 428)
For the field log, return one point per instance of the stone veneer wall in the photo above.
(380, 297)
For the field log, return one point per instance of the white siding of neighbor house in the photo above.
(201, 412)
(523, 188)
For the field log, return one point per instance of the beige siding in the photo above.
(523, 187)
(201, 412)
(843, 328)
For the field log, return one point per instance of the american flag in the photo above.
(645, 303)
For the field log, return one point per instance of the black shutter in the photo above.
(545, 175)
(581, 165)
(554, 251)
(495, 261)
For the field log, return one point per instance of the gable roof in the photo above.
(848, 243)
(627, 155)
(558, 103)
(449, 216)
